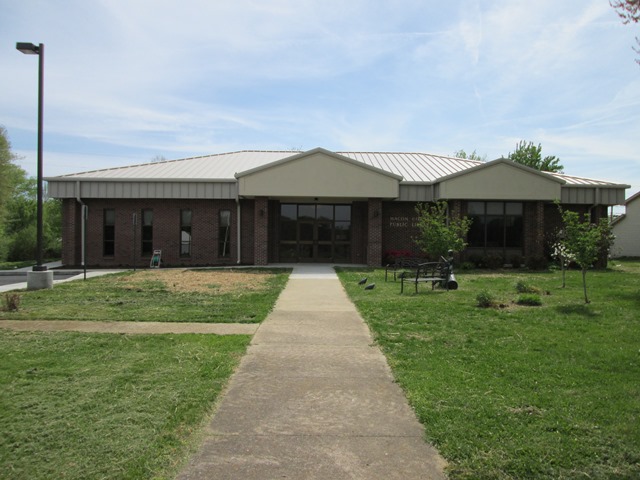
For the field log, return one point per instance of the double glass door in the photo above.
(315, 233)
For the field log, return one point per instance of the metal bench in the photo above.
(438, 273)
(401, 265)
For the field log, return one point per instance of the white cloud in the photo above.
(132, 80)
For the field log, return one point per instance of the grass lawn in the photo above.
(89, 406)
(164, 295)
(516, 392)
(105, 406)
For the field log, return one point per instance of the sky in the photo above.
(129, 82)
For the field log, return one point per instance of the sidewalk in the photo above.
(314, 398)
(67, 275)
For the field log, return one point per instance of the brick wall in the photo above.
(166, 232)
(261, 231)
(247, 213)
(274, 231)
(71, 232)
(374, 237)
(398, 227)
(377, 227)
(359, 232)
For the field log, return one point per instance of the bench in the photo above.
(400, 265)
(438, 273)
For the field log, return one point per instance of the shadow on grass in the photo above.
(632, 297)
(582, 310)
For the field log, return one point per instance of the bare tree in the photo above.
(629, 12)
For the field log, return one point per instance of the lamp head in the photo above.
(28, 48)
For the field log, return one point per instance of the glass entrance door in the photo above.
(315, 233)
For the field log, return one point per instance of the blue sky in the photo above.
(126, 82)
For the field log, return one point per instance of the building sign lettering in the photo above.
(403, 222)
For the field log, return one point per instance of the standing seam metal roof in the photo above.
(413, 167)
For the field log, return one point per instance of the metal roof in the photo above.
(412, 167)
(586, 182)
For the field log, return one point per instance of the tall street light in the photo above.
(31, 49)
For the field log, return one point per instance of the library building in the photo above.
(318, 206)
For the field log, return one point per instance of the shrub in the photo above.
(516, 261)
(537, 262)
(11, 302)
(494, 262)
(530, 299)
(466, 266)
(485, 299)
(477, 260)
(522, 287)
(22, 245)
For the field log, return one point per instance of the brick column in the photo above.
(261, 231)
(374, 236)
(539, 241)
(71, 234)
(455, 209)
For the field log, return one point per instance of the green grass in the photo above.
(89, 406)
(107, 298)
(514, 392)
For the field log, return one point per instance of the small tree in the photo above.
(585, 242)
(440, 233)
(562, 254)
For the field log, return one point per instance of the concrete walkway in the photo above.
(69, 275)
(313, 398)
(130, 328)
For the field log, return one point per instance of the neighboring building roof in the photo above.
(413, 167)
(632, 198)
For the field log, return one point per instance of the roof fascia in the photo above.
(632, 197)
(597, 185)
(145, 180)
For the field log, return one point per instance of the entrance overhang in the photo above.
(318, 173)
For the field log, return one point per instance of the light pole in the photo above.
(31, 49)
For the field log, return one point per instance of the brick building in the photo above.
(261, 207)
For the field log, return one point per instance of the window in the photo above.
(495, 225)
(109, 232)
(147, 232)
(185, 233)
(224, 233)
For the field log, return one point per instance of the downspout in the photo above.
(83, 229)
(239, 229)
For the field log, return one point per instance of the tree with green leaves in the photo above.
(530, 155)
(9, 174)
(440, 232)
(18, 207)
(469, 156)
(585, 242)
